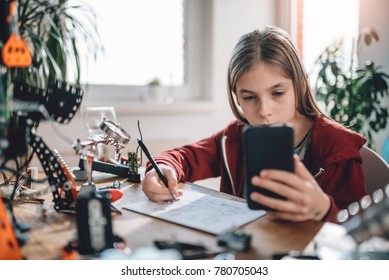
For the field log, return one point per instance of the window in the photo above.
(322, 22)
(150, 40)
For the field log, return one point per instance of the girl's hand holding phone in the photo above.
(305, 200)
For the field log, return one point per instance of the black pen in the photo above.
(155, 166)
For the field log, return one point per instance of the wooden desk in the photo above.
(49, 234)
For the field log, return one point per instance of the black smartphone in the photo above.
(266, 147)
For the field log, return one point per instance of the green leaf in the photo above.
(375, 35)
(53, 30)
(368, 39)
(353, 97)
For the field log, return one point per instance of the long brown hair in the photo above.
(273, 46)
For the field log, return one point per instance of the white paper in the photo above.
(200, 211)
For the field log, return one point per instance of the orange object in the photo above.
(12, 11)
(15, 52)
(9, 247)
(67, 173)
(68, 254)
(114, 193)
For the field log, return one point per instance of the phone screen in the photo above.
(266, 147)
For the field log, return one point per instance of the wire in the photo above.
(27, 162)
(5, 178)
(17, 179)
(54, 125)
(18, 173)
(137, 148)
(140, 131)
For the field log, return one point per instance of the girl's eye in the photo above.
(250, 97)
(278, 93)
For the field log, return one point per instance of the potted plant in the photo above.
(352, 93)
(153, 91)
(55, 31)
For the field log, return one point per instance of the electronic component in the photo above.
(187, 250)
(106, 167)
(94, 223)
(237, 241)
(133, 172)
(58, 102)
(119, 169)
(117, 137)
(33, 174)
(64, 191)
(294, 255)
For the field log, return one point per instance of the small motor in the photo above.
(94, 223)
(237, 241)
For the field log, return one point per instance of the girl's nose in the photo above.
(264, 109)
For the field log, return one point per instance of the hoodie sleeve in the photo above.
(194, 162)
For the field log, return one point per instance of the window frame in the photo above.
(198, 32)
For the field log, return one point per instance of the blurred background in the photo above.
(164, 63)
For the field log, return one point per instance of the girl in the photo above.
(267, 84)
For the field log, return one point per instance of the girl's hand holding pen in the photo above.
(155, 189)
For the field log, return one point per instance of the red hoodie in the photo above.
(332, 157)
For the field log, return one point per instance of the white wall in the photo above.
(168, 128)
(374, 13)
